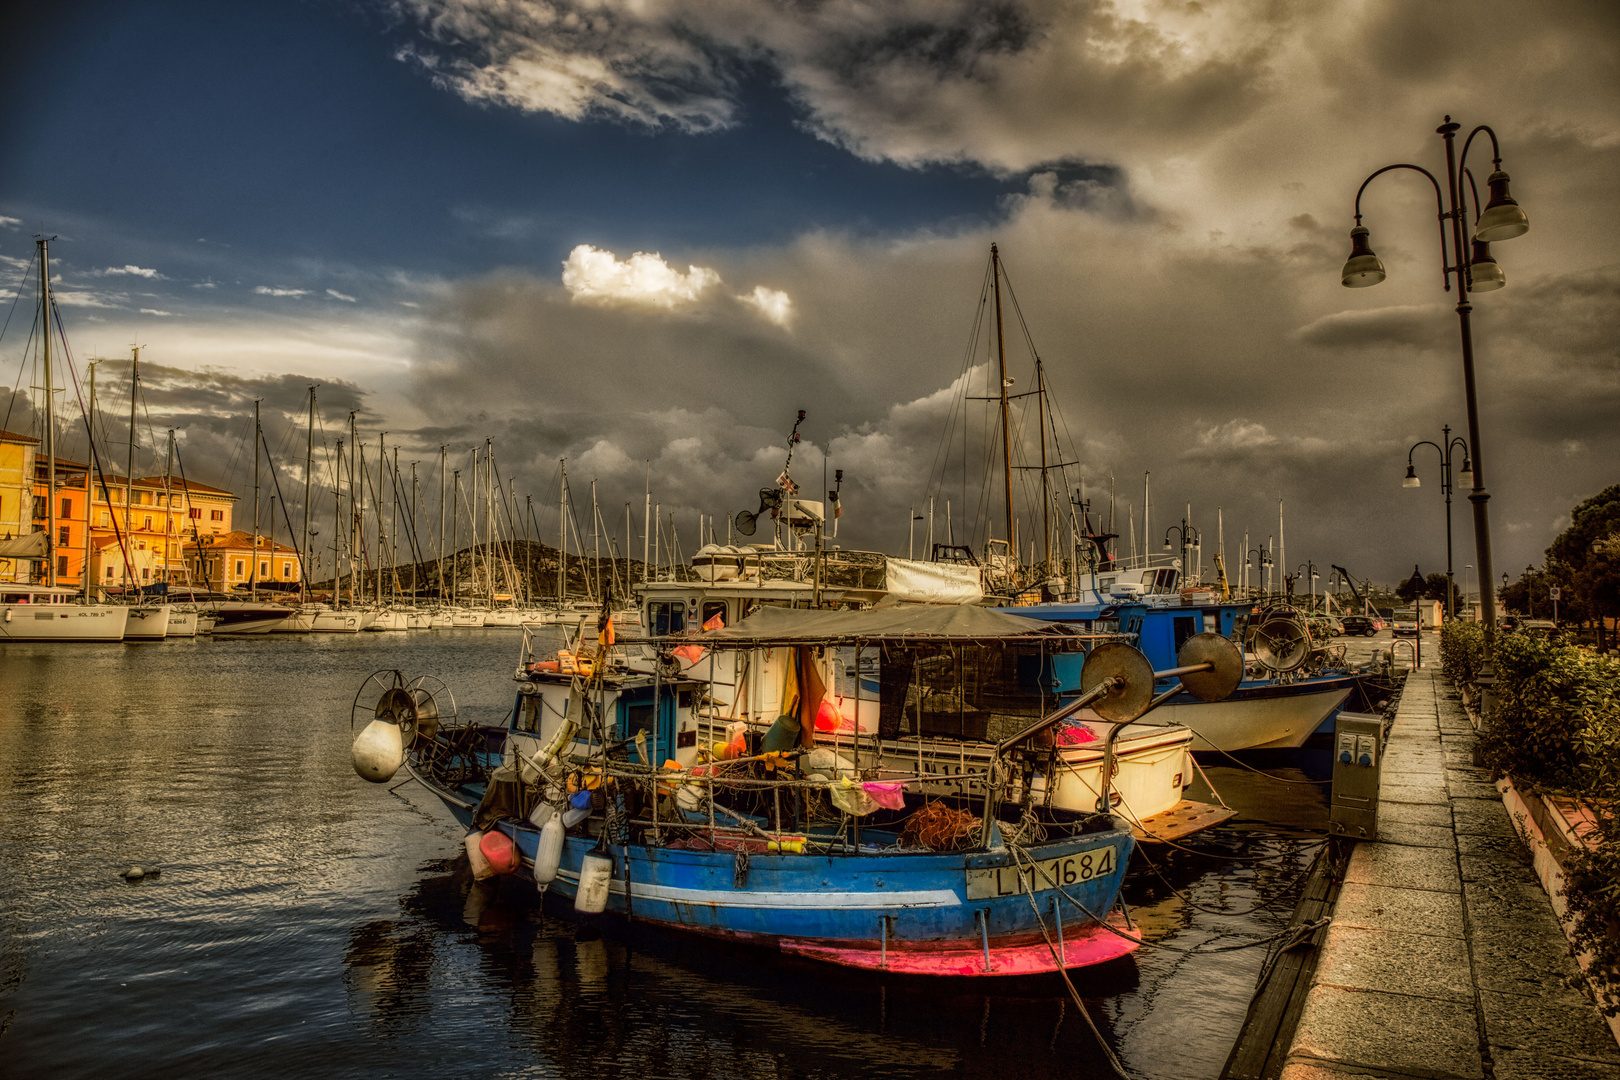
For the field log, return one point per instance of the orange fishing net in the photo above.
(939, 828)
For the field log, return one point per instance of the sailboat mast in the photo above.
(129, 467)
(646, 527)
(356, 539)
(50, 415)
(443, 450)
(562, 529)
(382, 468)
(309, 468)
(393, 539)
(168, 509)
(1006, 423)
(89, 501)
(1046, 491)
(253, 573)
(455, 534)
(416, 561)
(337, 527)
(596, 540)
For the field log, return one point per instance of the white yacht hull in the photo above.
(388, 621)
(147, 623)
(336, 622)
(182, 623)
(63, 622)
(1271, 722)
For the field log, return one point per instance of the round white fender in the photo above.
(379, 751)
(549, 854)
(595, 872)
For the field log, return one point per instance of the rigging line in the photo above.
(21, 367)
(967, 358)
(16, 295)
(275, 480)
(95, 459)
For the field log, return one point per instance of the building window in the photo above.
(216, 515)
(67, 508)
(196, 512)
(239, 565)
(264, 569)
(106, 521)
(146, 573)
(109, 573)
(148, 525)
(62, 536)
(61, 566)
(286, 570)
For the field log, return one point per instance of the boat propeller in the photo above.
(769, 499)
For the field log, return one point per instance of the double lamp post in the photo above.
(1475, 271)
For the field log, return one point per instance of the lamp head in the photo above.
(1363, 268)
(1411, 480)
(1502, 219)
(1484, 275)
(1167, 543)
(1466, 477)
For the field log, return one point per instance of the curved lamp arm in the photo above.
(1425, 442)
(1440, 205)
(1496, 150)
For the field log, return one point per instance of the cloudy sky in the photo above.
(641, 234)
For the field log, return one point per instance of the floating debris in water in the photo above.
(138, 873)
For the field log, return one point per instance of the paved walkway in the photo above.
(1444, 959)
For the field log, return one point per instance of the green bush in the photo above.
(1462, 651)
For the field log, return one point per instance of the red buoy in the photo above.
(500, 851)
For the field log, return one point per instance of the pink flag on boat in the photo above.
(889, 793)
(1075, 734)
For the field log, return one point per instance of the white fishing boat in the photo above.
(46, 613)
(147, 622)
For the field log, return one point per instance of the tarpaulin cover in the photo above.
(933, 582)
(27, 546)
(902, 622)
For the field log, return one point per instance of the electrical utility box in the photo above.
(1357, 761)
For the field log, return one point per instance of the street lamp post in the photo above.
(1447, 444)
(1308, 568)
(1190, 538)
(1262, 563)
(1475, 271)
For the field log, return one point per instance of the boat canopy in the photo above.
(899, 623)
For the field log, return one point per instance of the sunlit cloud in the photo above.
(774, 304)
(595, 276)
(334, 294)
(266, 290)
(133, 271)
(155, 311)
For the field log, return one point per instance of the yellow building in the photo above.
(156, 527)
(17, 453)
(227, 561)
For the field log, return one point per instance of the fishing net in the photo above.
(939, 828)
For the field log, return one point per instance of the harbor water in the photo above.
(306, 923)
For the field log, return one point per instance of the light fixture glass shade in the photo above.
(1502, 219)
(1411, 478)
(1466, 477)
(1484, 275)
(1167, 543)
(1363, 268)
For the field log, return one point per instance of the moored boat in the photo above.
(44, 613)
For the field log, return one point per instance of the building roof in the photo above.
(15, 437)
(239, 540)
(184, 485)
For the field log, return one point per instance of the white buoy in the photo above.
(379, 751)
(549, 854)
(595, 872)
(481, 867)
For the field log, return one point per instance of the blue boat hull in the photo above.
(964, 913)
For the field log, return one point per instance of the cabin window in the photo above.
(637, 718)
(712, 610)
(668, 617)
(1185, 626)
(1212, 622)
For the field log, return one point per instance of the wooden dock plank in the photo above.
(1262, 1044)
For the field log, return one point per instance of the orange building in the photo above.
(72, 506)
(225, 562)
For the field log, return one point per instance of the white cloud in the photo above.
(266, 290)
(204, 285)
(80, 298)
(409, 303)
(133, 271)
(9, 222)
(155, 311)
(334, 294)
(774, 304)
(644, 279)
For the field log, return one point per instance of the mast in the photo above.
(562, 529)
(440, 560)
(1006, 424)
(1046, 492)
(253, 573)
(455, 535)
(416, 561)
(356, 501)
(129, 466)
(646, 527)
(50, 416)
(89, 501)
(309, 468)
(528, 553)
(382, 472)
(337, 528)
(1147, 536)
(393, 539)
(168, 508)
(596, 540)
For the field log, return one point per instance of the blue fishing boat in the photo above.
(595, 787)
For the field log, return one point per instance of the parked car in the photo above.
(1405, 623)
(1361, 624)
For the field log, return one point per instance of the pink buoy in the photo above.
(500, 851)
